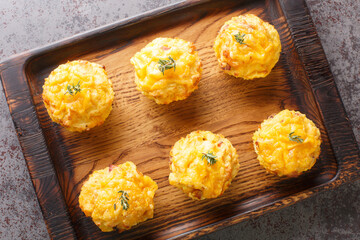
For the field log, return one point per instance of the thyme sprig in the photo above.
(166, 64)
(124, 198)
(73, 89)
(295, 138)
(210, 158)
(240, 38)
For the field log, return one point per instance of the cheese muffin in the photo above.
(118, 197)
(78, 95)
(247, 47)
(203, 164)
(287, 144)
(167, 70)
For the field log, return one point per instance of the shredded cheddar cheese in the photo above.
(197, 176)
(287, 144)
(102, 194)
(169, 84)
(78, 95)
(247, 47)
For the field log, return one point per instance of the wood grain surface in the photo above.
(143, 132)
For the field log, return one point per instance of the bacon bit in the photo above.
(197, 193)
(297, 114)
(219, 144)
(226, 53)
(226, 67)
(111, 167)
(165, 48)
(103, 67)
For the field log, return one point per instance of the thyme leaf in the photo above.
(210, 158)
(295, 138)
(166, 64)
(73, 88)
(240, 38)
(124, 198)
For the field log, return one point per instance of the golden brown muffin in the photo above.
(167, 70)
(118, 197)
(203, 164)
(78, 95)
(287, 144)
(247, 47)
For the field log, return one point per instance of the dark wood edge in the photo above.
(325, 91)
(35, 150)
(320, 79)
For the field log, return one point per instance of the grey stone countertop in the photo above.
(26, 24)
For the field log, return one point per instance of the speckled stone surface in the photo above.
(26, 24)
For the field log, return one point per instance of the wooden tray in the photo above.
(138, 130)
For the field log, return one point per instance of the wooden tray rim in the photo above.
(342, 147)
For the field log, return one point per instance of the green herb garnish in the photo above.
(124, 198)
(166, 64)
(73, 88)
(210, 158)
(295, 138)
(240, 38)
